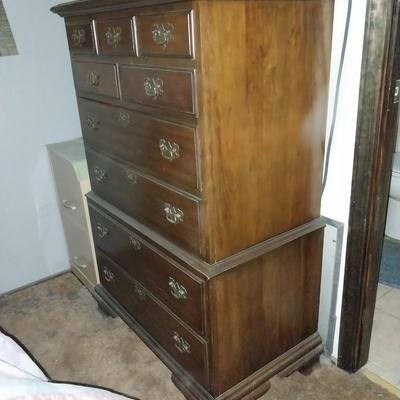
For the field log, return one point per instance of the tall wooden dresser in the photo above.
(204, 126)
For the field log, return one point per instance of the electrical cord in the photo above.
(337, 92)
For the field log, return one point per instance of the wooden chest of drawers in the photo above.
(204, 130)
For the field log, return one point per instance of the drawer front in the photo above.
(115, 36)
(169, 89)
(168, 281)
(182, 345)
(165, 35)
(79, 249)
(96, 78)
(163, 149)
(80, 37)
(173, 215)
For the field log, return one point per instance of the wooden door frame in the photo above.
(375, 144)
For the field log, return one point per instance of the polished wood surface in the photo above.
(267, 305)
(176, 87)
(115, 35)
(160, 324)
(145, 200)
(136, 138)
(96, 78)
(176, 28)
(151, 267)
(262, 117)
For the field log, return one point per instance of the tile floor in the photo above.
(384, 357)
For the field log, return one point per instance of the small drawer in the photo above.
(96, 78)
(80, 37)
(186, 348)
(165, 35)
(173, 215)
(180, 290)
(161, 148)
(79, 249)
(114, 36)
(169, 89)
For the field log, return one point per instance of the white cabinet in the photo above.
(71, 179)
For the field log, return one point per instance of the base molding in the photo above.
(259, 383)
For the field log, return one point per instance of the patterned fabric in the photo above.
(7, 43)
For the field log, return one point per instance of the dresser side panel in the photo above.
(263, 90)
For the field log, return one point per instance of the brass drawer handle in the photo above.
(177, 290)
(113, 36)
(131, 176)
(102, 231)
(153, 87)
(108, 275)
(169, 150)
(135, 243)
(92, 123)
(180, 343)
(78, 37)
(93, 78)
(141, 294)
(100, 174)
(163, 34)
(173, 214)
(124, 118)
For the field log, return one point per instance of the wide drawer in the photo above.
(180, 290)
(80, 37)
(163, 88)
(96, 78)
(173, 215)
(165, 34)
(163, 149)
(186, 348)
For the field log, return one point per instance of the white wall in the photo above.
(336, 198)
(37, 106)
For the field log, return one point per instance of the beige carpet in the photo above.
(59, 323)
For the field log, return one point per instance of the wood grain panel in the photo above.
(267, 305)
(262, 117)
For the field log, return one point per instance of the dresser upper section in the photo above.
(221, 101)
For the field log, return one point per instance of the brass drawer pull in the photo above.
(177, 290)
(169, 150)
(124, 118)
(153, 87)
(163, 34)
(108, 275)
(180, 343)
(78, 37)
(93, 78)
(102, 231)
(141, 294)
(113, 36)
(69, 205)
(173, 214)
(80, 262)
(135, 243)
(131, 176)
(92, 123)
(100, 174)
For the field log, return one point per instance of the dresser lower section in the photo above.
(223, 333)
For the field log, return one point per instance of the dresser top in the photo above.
(78, 7)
